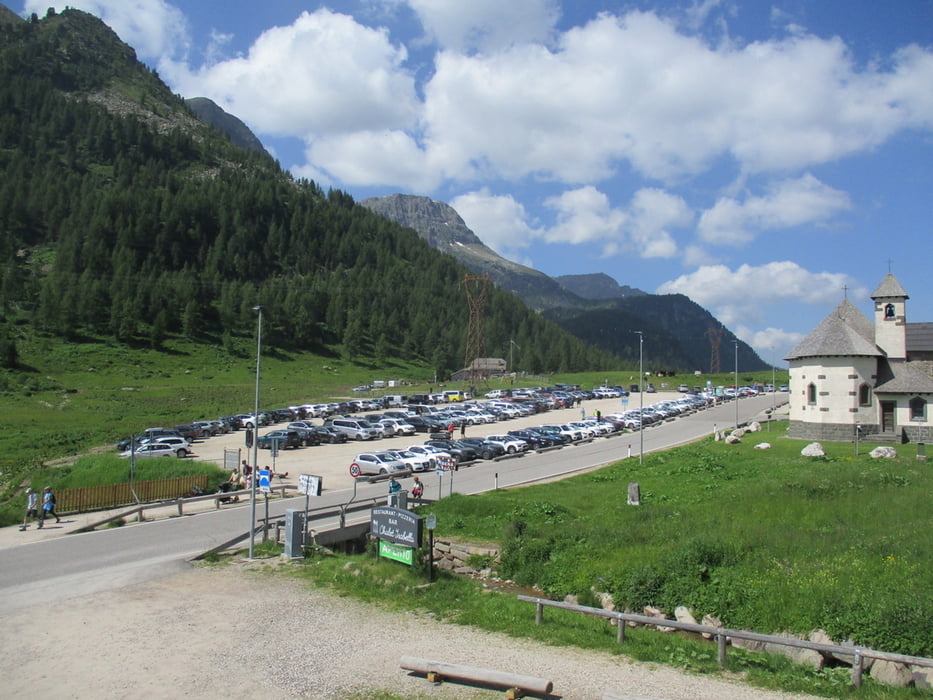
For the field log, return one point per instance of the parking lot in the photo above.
(332, 461)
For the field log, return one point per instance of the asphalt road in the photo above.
(72, 565)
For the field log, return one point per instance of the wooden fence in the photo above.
(113, 495)
(723, 635)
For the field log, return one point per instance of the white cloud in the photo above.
(488, 25)
(654, 212)
(372, 157)
(154, 28)
(585, 215)
(633, 89)
(499, 221)
(787, 204)
(743, 295)
(323, 74)
(771, 344)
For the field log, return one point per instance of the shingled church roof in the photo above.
(889, 287)
(846, 331)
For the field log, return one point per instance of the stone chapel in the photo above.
(873, 377)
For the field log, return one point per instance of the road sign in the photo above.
(265, 481)
(309, 484)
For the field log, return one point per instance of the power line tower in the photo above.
(715, 338)
(477, 290)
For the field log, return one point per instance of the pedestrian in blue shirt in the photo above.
(48, 506)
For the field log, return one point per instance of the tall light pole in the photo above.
(641, 394)
(773, 388)
(736, 343)
(255, 472)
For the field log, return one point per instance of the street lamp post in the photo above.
(255, 473)
(736, 343)
(641, 394)
(773, 388)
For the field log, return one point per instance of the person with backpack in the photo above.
(48, 506)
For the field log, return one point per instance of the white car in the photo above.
(587, 430)
(509, 443)
(376, 463)
(431, 451)
(179, 443)
(397, 426)
(415, 461)
(156, 449)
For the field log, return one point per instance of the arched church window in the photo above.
(811, 394)
(864, 395)
(889, 311)
(918, 409)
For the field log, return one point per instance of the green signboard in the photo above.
(396, 552)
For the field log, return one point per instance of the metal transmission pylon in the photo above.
(715, 338)
(477, 289)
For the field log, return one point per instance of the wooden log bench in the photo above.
(515, 685)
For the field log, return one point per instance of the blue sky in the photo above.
(764, 158)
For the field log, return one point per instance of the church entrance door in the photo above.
(887, 416)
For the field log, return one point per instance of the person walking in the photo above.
(32, 508)
(48, 506)
(463, 429)
(417, 489)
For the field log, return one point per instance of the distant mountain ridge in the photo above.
(441, 226)
(211, 113)
(593, 307)
(597, 286)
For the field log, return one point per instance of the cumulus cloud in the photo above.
(634, 89)
(787, 203)
(499, 221)
(585, 215)
(487, 25)
(744, 294)
(324, 74)
(154, 28)
(771, 344)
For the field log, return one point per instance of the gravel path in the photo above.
(214, 631)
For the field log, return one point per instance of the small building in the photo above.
(481, 368)
(874, 376)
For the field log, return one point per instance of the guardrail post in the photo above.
(620, 631)
(539, 613)
(721, 648)
(857, 668)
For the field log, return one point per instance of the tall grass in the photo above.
(765, 539)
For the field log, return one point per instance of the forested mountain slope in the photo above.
(124, 218)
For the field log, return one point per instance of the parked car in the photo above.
(329, 435)
(461, 453)
(308, 436)
(355, 429)
(414, 461)
(182, 446)
(156, 449)
(534, 440)
(434, 453)
(376, 463)
(285, 438)
(509, 443)
(483, 448)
